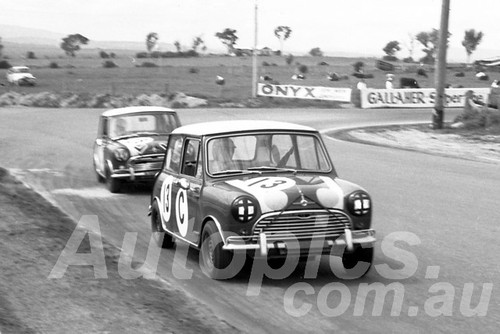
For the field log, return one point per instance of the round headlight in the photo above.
(359, 203)
(244, 209)
(122, 154)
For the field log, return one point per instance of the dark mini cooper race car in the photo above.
(266, 188)
(131, 143)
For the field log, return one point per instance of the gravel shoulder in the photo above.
(34, 233)
(464, 144)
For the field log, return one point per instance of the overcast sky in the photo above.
(335, 26)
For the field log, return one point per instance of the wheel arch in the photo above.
(205, 222)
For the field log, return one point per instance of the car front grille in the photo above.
(302, 225)
(146, 163)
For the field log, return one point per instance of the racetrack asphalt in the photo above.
(436, 220)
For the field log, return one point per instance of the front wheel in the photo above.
(215, 262)
(99, 177)
(360, 254)
(114, 185)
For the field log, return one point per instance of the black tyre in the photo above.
(99, 177)
(351, 259)
(114, 185)
(162, 238)
(215, 261)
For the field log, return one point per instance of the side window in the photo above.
(104, 127)
(191, 153)
(311, 155)
(173, 155)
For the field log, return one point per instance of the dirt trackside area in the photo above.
(33, 234)
(479, 145)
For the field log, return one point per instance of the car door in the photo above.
(169, 187)
(189, 189)
(99, 145)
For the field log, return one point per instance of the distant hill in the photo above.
(19, 40)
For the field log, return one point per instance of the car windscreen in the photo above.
(264, 151)
(155, 123)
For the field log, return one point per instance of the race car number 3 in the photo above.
(271, 183)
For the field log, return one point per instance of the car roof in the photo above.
(135, 110)
(19, 68)
(221, 127)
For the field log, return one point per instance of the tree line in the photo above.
(72, 43)
(429, 40)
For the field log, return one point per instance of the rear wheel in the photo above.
(215, 261)
(360, 254)
(162, 238)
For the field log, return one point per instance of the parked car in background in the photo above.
(21, 76)
(131, 143)
(266, 188)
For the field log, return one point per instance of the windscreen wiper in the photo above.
(274, 169)
(235, 171)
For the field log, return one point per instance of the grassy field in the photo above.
(196, 76)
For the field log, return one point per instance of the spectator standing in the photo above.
(388, 81)
(361, 84)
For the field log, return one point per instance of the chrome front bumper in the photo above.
(132, 174)
(317, 245)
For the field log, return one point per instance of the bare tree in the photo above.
(151, 41)
(471, 40)
(282, 33)
(390, 49)
(178, 47)
(197, 42)
(430, 42)
(228, 38)
(71, 43)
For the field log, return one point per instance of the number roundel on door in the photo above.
(166, 199)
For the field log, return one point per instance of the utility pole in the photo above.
(438, 114)
(254, 58)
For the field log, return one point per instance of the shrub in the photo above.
(323, 63)
(303, 69)
(194, 70)
(142, 55)
(265, 63)
(389, 58)
(422, 72)
(289, 59)
(109, 64)
(4, 64)
(358, 66)
(408, 60)
(53, 65)
(30, 55)
(148, 64)
(316, 52)
(428, 59)
(362, 75)
(103, 54)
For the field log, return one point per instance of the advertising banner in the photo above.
(418, 97)
(305, 92)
